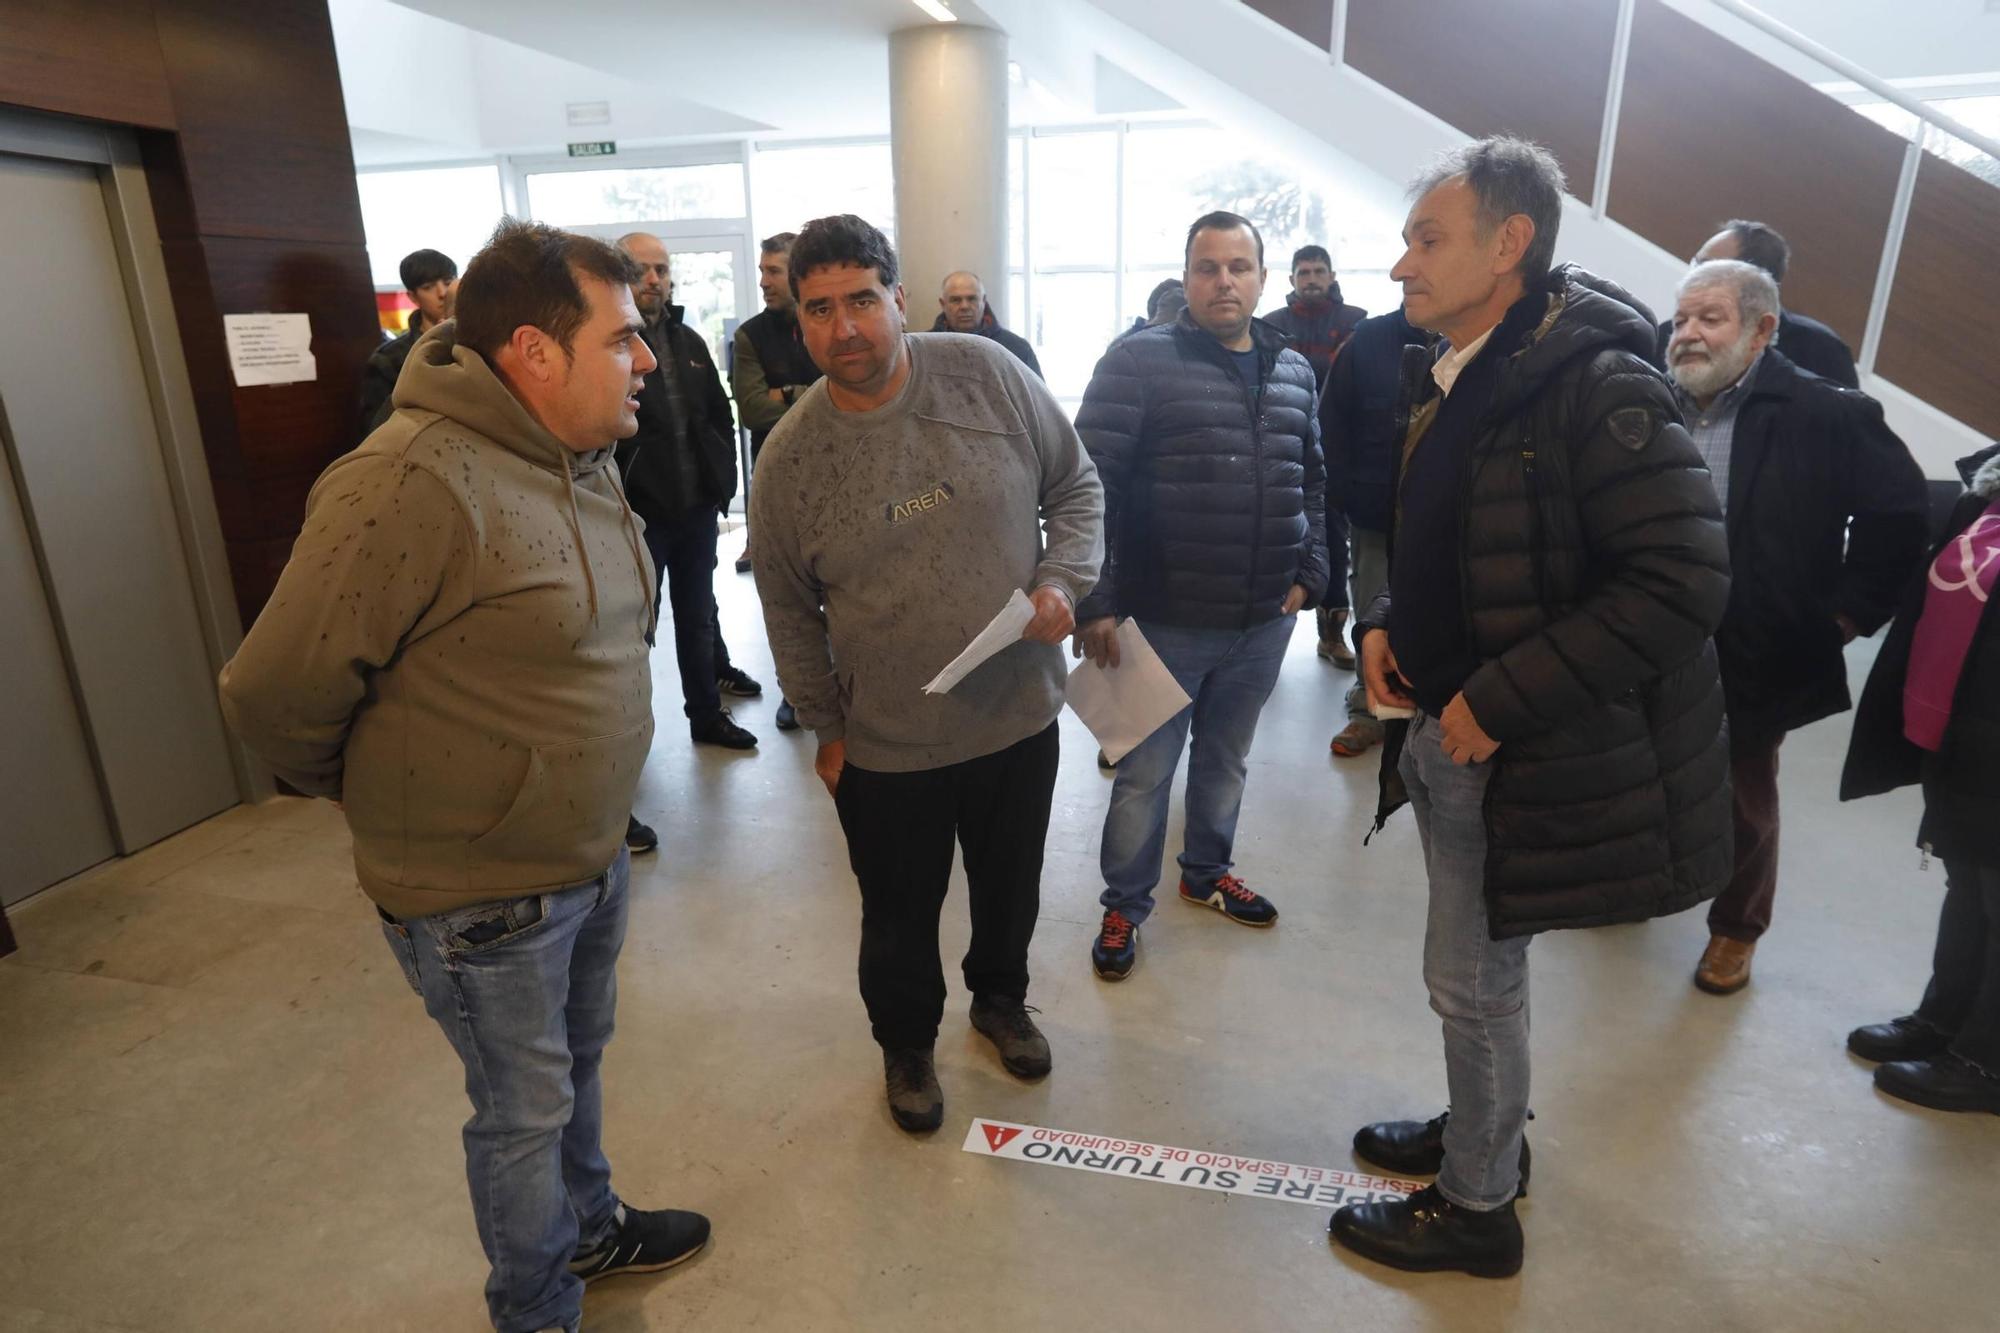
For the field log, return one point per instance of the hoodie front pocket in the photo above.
(571, 793)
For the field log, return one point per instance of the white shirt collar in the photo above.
(1447, 369)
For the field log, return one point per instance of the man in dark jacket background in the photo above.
(679, 470)
(1314, 320)
(963, 308)
(431, 279)
(1360, 435)
(1807, 343)
(768, 370)
(1827, 515)
(1558, 564)
(1214, 515)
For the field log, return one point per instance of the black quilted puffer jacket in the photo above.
(1595, 570)
(1213, 506)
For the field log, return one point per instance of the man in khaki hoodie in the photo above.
(456, 652)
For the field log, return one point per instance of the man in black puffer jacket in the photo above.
(1557, 567)
(1204, 437)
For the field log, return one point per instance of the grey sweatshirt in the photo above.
(887, 539)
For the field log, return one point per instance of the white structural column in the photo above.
(948, 138)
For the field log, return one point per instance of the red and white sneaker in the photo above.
(1233, 899)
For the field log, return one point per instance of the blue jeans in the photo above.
(1478, 985)
(1229, 675)
(525, 990)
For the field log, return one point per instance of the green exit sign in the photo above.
(602, 148)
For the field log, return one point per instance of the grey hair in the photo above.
(1756, 293)
(1507, 176)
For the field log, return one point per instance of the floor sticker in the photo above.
(1226, 1173)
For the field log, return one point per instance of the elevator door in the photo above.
(103, 647)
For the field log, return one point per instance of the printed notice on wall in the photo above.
(270, 349)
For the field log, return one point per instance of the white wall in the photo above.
(405, 74)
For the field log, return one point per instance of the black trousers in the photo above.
(900, 828)
(684, 562)
(1963, 998)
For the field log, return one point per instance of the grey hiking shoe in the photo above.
(1023, 1049)
(915, 1099)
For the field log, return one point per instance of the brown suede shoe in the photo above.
(1360, 735)
(1725, 965)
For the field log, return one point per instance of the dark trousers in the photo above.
(1743, 912)
(684, 562)
(1963, 998)
(900, 828)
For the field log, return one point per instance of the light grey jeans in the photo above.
(1478, 985)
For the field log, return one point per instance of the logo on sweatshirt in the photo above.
(904, 510)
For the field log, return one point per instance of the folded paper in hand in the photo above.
(1004, 630)
(1125, 704)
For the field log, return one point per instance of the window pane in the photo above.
(453, 209)
(1074, 199)
(1168, 186)
(639, 194)
(1174, 174)
(705, 285)
(1017, 212)
(1075, 318)
(791, 186)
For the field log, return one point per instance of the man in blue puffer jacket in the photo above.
(1204, 436)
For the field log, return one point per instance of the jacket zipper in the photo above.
(1250, 402)
(1537, 537)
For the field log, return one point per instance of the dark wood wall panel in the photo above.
(1535, 68)
(245, 143)
(1310, 19)
(1943, 324)
(1708, 131)
(100, 60)
(264, 136)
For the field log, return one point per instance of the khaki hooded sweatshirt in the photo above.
(457, 648)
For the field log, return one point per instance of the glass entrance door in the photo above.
(713, 278)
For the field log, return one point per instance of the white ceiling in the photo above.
(430, 80)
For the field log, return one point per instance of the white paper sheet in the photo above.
(1125, 704)
(270, 349)
(1004, 630)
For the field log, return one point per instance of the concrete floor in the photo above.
(220, 1107)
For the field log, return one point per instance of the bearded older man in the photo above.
(1826, 513)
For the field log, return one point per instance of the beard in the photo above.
(1703, 376)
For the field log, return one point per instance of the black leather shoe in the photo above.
(1427, 1233)
(788, 720)
(721, 730)
(1416, 1148)
(1943, 1083)
(640, 837)
(1905, 1038)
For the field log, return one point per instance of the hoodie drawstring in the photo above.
(582, 547)
(651, 618)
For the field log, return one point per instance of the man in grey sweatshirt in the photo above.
(901, 503)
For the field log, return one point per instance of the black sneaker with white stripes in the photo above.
(644, 1242)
